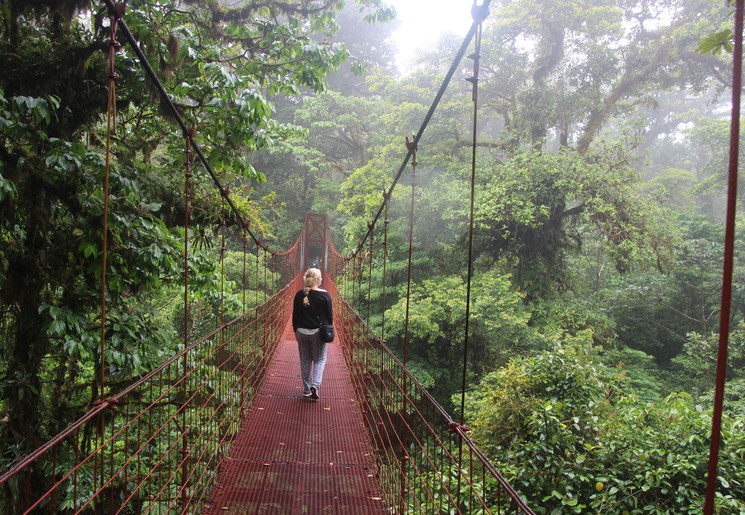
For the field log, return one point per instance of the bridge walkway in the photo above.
(298, 456)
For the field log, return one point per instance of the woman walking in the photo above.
(311, 308)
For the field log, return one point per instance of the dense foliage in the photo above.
(568, 428)
(601, 160)
(219, 61)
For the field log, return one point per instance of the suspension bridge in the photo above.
(222, 426)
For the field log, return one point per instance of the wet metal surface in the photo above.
(297, 456)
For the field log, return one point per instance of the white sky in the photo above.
(422, 22)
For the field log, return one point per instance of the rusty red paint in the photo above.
(297, 456)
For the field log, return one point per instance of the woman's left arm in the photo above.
(330, 310)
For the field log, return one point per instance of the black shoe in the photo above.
(314, 393)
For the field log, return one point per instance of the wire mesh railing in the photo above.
(426, 462)
(156, 446)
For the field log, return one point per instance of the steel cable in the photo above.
(433, 107)
(729, 246)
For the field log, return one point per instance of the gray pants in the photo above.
(312, 351)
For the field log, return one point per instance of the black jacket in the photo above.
(308, 317)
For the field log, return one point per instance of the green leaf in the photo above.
(716, 42)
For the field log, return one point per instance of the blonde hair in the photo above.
(312, 278)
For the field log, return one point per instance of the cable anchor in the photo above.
(116, 13)
(455, 427)
(106, 403)
(412, 146)
(479, 12)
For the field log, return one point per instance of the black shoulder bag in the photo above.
(325, 331)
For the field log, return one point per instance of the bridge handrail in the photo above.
(274, 315)
(358, 338)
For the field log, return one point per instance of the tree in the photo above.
(537, 207)
(367, 39)
(219, 62)
(573, 438)
(656, 312)
(499, 327)
(558, 73)
(696, 364)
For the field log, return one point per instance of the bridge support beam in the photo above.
(315, 248)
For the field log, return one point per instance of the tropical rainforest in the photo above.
(600, 156)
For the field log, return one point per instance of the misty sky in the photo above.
(422, 21)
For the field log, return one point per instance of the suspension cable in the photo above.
(386, 222)
(115, 11)
(474, 80)
(412, 148)
(223, 248)
(115, 14)
(360, 279)
(479, 13)
(243, 321)
(188, 156)
(729, 246)
(258, 304)
(166, 99)
(245, 256)
(369, 277)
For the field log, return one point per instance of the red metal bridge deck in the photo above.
(297, 456)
